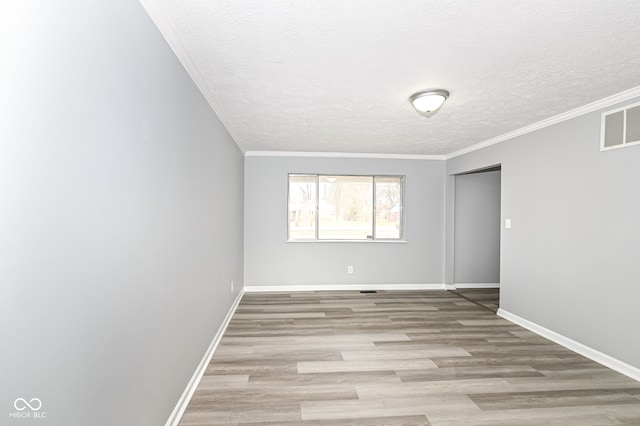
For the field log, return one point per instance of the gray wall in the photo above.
(477, 228)
(120, 218)
(269, 260)
(570, 261)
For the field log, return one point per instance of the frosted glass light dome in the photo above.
(428, 102)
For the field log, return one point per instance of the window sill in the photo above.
(349, 241)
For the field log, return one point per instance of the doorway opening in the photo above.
(477, 223)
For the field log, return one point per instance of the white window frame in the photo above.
(374, 239)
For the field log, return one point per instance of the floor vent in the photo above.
(368, 291)
(620, 127)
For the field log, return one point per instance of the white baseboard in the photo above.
(593, 354)
(341, 287)
(185, 398)
(476, 285)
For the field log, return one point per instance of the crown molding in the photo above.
(577, 112)
(343, 155)
(556, 119)
(167, 30)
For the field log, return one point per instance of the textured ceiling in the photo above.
(336, 75)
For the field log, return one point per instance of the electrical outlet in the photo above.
(231, 286)
(350, 269)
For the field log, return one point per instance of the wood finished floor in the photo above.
(398, 358)
(488, 298)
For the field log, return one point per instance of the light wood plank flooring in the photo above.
(398, 358)
(488, 298)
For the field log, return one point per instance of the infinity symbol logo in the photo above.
(21, 404)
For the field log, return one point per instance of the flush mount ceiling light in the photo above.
(428, 102)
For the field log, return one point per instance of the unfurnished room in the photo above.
(319, 212)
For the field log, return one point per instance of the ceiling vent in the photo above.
(620, 127)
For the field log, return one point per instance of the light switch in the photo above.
(507, 223)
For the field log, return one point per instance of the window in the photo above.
(328, 207)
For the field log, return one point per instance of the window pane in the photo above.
(388, 207)
(346, 206)
(302, 207)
